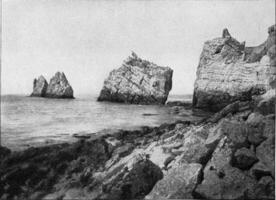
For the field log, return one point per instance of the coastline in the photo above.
(144, 164)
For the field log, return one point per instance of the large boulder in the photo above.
(179, 183)
(137, 81)
(228, 71)
(39, 87)
(59, 87)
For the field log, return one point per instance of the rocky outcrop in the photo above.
(228, 157)
(228, 71)
(58, 87)
(39, 87)
(137, 81)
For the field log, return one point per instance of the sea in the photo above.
(33, 121)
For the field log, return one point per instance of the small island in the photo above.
(58, 87)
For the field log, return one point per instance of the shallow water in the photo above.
(31, 121)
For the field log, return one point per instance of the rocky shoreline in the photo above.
(227, 156)
(230, 155)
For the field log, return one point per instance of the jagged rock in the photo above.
(133, 182)
(59, 87)
(266, 154)
(178, 183)
(221, 180)
(194, 149)
(255, 119)
(137, 81)
(265, 189)
(266, 104)
(228, 72)
(259, 170)
(244, 158)
(235, 131)
(39, 87)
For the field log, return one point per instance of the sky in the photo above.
(87, 39)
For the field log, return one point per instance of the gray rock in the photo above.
(235, 131)
(265, 189)
(221, 180)
(266, 154)
(255, 119)
(259, 170)
(178, 183)
(244, 158)
(227, 72)
(59, 87)
(137, 81)
(39, 87)
(266, 105)
(133, 182)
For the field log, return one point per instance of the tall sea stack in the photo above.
(137, 81)
(39, 87)
(58, 87)
(229, 71)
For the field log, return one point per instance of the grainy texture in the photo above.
(229, 71)
(137, 81)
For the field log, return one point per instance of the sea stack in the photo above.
(58, 87)
(39, 87)
(137, 81)
(229, 71)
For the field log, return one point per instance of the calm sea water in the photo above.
(27, 121)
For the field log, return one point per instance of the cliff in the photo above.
(58, 87)
(229, 71)
(137, 81)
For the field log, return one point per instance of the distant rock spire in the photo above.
(225, 33)
(134, 55)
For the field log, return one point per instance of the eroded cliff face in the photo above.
(229, 71)
(137, 81)
(59, 87)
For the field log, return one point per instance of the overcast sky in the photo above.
(87, 39)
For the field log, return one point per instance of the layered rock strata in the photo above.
(137, 81)
(229, 156)
(58, 87)
(229, 71)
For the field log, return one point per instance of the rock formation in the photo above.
(231, 157)
(229, 71)
(58, 87)
(39, 87)
(137, 81)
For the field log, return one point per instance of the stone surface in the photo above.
(244, 158)
(266, 105)
(259, 170)
(228, 71)
(266, 153)
(59, 87)
(137, 81)
(39, 87)
(178, 183)
(221, 180)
